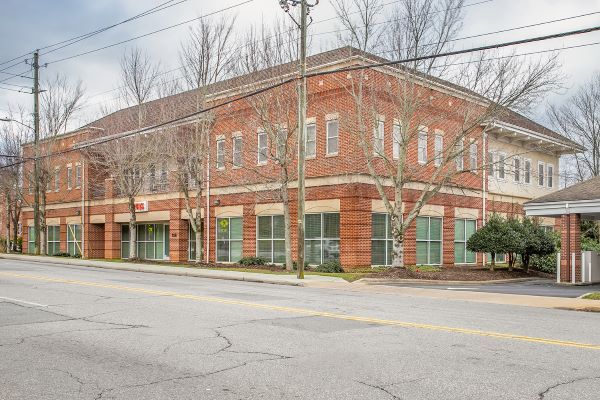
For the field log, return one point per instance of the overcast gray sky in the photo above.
(26, 25)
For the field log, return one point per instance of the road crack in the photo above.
(542, 395)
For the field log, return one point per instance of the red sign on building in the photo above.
(141, 206)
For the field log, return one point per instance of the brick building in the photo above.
(345, 219)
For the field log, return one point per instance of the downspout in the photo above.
(82, 209)
(568, 249)
(484, 185)
(207, 216)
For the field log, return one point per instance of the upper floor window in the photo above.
(422, 145)
(332, 137)
(541, 168)
(220, 154)
(396, 136)
(262, 147)
(527, 171)
(549, 179)
(517, 169)
(438, 148)
(77, 176)
(501, 165)
(473, 157)
(491, 168)
(69, 177)
(459, 158)
(378, 138)
(311, 140)
(237, 151)
(56, 179)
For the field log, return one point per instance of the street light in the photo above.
(14, 120)
(302, 25)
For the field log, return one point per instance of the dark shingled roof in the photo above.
(186, 100)
(586, 190)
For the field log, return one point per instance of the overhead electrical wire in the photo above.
(152, 10)
(150, 33)
(378, 53)
(321, 73)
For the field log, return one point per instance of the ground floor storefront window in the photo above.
(429, 240)
(53, 235)
(463, 229)
(381, 239)
(74, 239)
(30, 240)
(322, 238)
(229, 239)
(270, 238)
(152, 241)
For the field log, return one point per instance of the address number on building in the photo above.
(141, 206)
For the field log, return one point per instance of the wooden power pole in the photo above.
(36, 145)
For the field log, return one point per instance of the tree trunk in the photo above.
(8, 212)
(511, 261)
(525, 258)
(398, 242)
(132, 230)
(287, 220)
(199, 236)
(15, 226)
(493, 261)
(43, 230)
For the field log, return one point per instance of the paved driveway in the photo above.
(540, 287)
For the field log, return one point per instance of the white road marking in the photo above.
(461, 288)
(24, 302)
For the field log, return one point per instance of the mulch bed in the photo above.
(454, 274)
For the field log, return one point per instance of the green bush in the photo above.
(330, 267)
(253, 261)
(62, 254)
(545, 263)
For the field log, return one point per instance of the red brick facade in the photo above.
(341, 177)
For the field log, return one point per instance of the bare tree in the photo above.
(139, 75)
(128, 161)
(206, 57)
(491, 88)
(579, 120)
(12, 137)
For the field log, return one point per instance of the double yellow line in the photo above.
(294, 310)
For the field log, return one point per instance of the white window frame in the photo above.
(464, 242)
(228, 239)
(322, 239)
(72, 238)
(540, 176)
(491, 167)
(311, 124)
(517, 169)
(220, 158)
(69, 177)
(52, 242)
(459, 159)
(501, 166)
(379, 138)
(262, 150)
(429, 240)
(438, 148)
(57, 179)
(550, 175)
(336, 137)
(473, 156)
(271, 240)
(396, 135)
(78, 176)
(527, 171)
(422, 145)
(237, 152)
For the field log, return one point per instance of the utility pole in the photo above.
(36, 146)
(302, 104)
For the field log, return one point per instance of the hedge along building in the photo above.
(502, 164)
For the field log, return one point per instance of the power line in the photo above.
(150, 33)
(100, 30)
(295, 78)
(16, 75)
(69, 42)
(14, 90)
(464, 51)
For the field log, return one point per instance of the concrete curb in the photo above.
(433, 282)
(158, 269)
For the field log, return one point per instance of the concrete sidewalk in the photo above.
(276, 279)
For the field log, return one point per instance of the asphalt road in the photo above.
(541, 287)
(81, 333)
